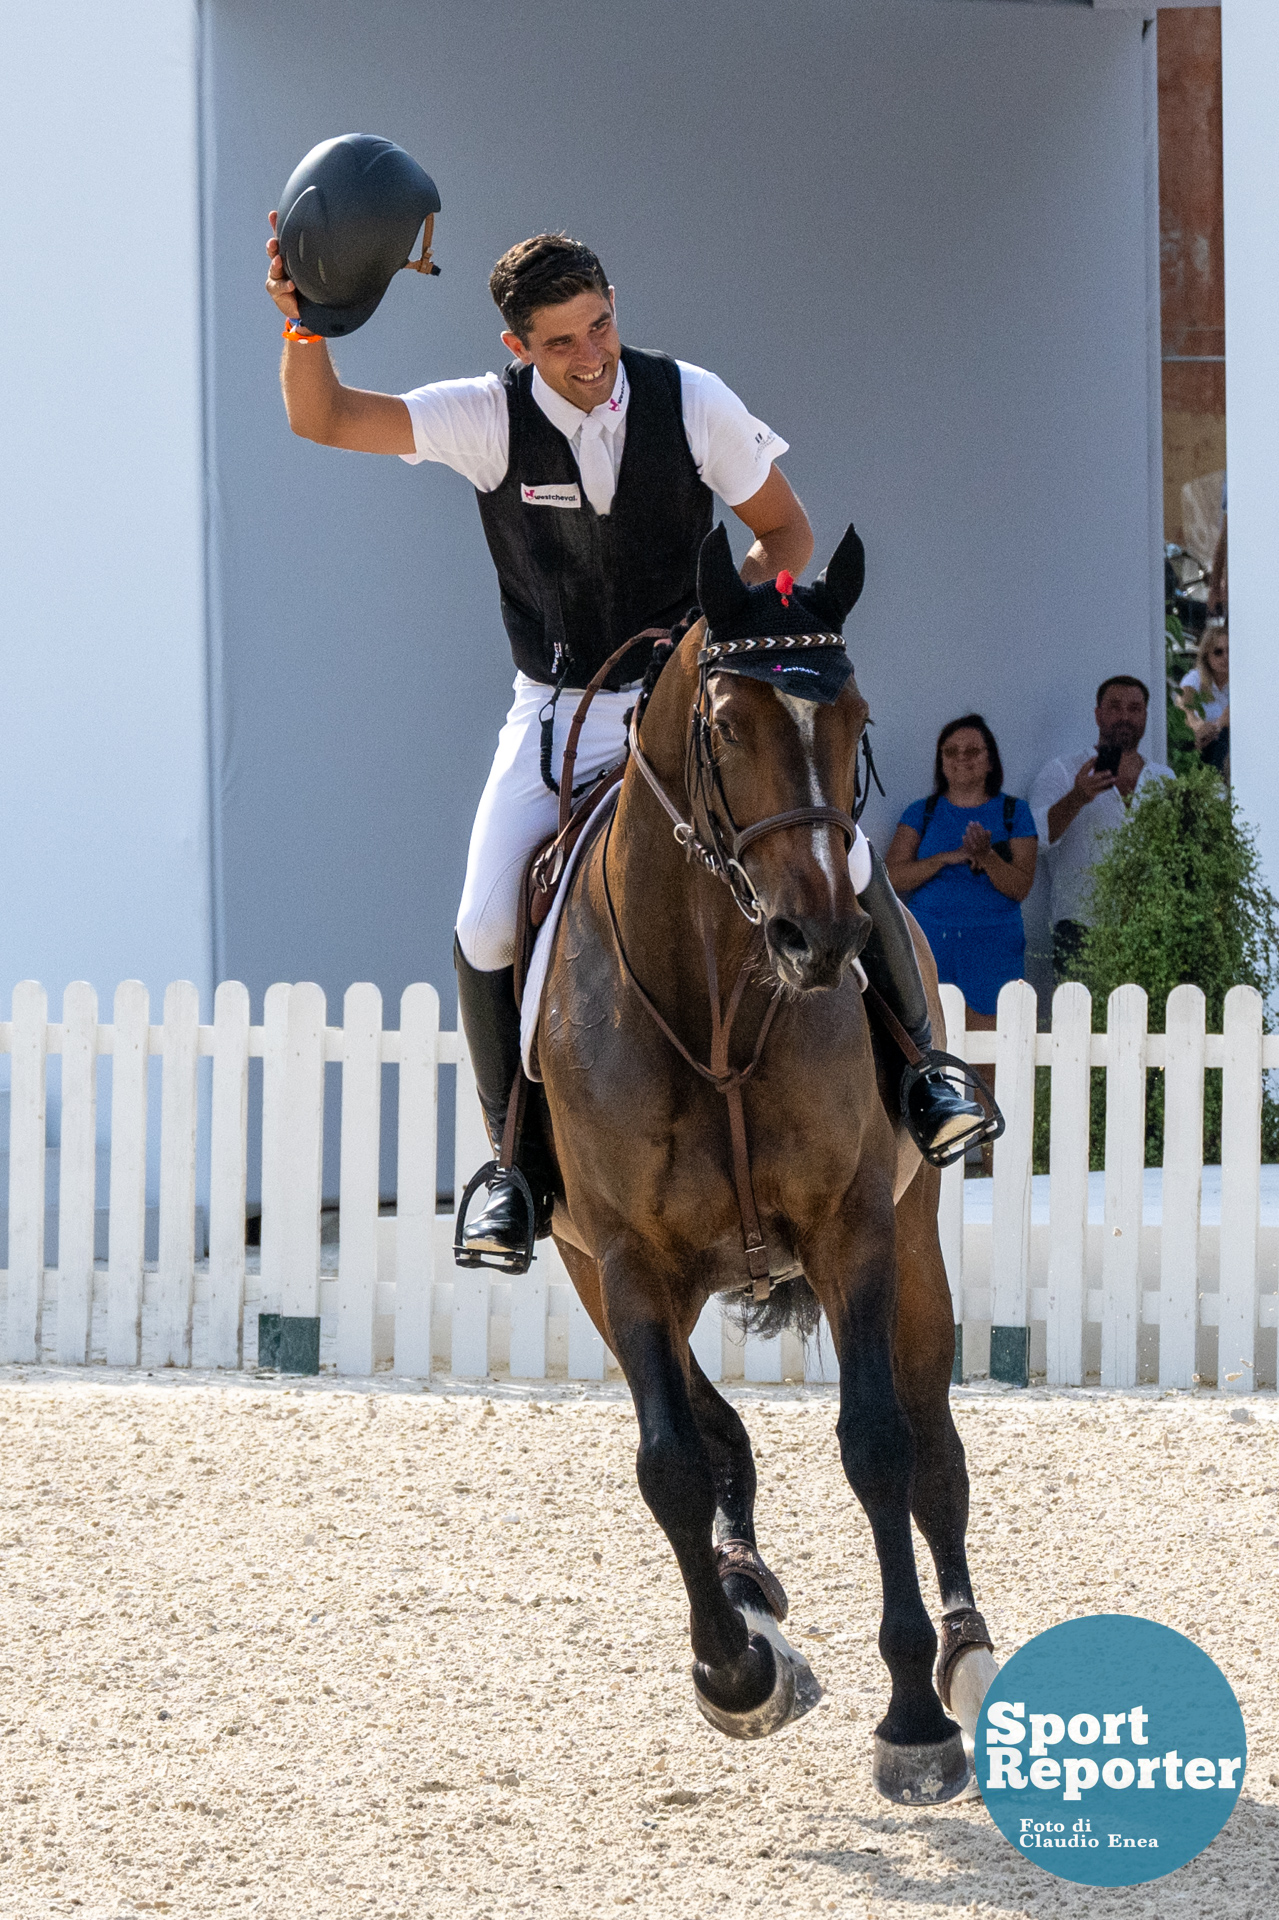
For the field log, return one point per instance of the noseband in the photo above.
(722, 843)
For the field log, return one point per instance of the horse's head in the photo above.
(779, 726)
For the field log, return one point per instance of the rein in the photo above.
(549, 864)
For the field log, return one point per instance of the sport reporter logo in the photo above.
(1110, 1750)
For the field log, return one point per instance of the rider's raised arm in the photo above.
(319, 407)
(783, 537)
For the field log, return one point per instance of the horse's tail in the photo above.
(792, 1305)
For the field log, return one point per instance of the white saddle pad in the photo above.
(544, 945)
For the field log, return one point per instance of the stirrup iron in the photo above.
(504, 1166)
(969, 1085)
(464, 1256)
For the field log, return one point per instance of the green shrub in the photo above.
(1179, 896)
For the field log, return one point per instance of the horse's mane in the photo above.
(661, 654)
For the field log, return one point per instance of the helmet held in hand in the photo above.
(348, 218)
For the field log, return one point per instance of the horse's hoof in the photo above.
(808, 1688)
(921, 1776)
(772, 1713)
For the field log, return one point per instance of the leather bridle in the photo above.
(721, 844)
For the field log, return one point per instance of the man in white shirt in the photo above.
(594, 467)
(1079, 799)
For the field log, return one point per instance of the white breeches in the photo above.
(517, 812)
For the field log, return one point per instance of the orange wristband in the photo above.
(295, 333)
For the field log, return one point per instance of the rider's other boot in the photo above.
(941, 1117)
(491, 1022)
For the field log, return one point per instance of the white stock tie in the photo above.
(595, 462)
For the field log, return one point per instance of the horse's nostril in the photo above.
(788, 938)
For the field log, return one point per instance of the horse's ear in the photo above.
(845, 576)
(720, 587)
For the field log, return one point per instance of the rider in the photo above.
(594, 466)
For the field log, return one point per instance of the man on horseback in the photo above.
(594, 466)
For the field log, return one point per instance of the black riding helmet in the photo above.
(347, 222)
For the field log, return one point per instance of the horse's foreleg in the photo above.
(748, 1582)
(923, 1354)
(918, 1751)
(743, 1686)
(728, 1448)
(724, 1437)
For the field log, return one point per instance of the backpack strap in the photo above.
(1004, 847)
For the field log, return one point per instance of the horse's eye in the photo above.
(724, 734)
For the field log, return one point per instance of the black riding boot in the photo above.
(491, 1022)
(940, 1116)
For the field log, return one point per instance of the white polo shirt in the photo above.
(1071, 859)
(464, 424)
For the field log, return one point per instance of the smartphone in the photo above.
(1108, 759)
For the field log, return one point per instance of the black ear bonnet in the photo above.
(788, 635)
(348, 218)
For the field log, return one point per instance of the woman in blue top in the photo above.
(966, 856)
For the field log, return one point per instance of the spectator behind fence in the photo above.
(1079, 800)
(966, 857)
(1204, 698)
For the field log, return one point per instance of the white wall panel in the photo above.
(1250, 155)
(104, 867)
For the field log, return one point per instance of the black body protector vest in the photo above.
(575, 584)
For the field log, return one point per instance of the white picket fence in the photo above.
(1125, 1298)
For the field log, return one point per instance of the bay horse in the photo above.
(653, 1211)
